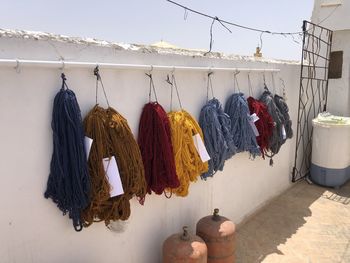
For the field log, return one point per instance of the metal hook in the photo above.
(18, 70)
(97, 72)
(168, 80)
(151, 70)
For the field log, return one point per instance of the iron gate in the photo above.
(313, 92)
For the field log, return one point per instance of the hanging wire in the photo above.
(235, 82)
(211, 33)
(233, 24)
(210, 85)
(261, 41)
(185, 14)
(273, 83)
(99, 79)
(176, 89)
(151, 87)
(250, 88)
(172, 83)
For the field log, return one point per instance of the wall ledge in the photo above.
(43, 36)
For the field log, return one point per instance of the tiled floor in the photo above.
(307, 223)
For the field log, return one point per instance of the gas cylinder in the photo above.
(184, 248)
(218, 233)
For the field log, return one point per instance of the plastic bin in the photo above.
(330, 162)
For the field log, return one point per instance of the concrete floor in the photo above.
(307, 223)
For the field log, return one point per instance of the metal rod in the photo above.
(60, 64)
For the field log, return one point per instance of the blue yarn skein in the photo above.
(243, 135)
(68, 184)
(218, 140)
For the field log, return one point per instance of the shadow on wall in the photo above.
(274, 225)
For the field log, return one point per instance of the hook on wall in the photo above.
(17, 68)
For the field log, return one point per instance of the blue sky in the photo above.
(147, 22)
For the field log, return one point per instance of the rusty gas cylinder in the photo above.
(184, 248)
(218, 233)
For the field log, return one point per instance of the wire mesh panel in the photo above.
(317, 42)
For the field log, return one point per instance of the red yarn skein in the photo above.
(156, 149)
(265, 124)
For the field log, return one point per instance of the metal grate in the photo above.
(313, 92)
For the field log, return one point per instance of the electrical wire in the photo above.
(234, 24)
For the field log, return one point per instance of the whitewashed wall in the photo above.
(34, 230)
(332, 14)
(339, 89)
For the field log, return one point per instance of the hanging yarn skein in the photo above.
(112, 137)
(287, 123)
(156, 148)
(241, 124)
(276, 140)
(68, 184)
(264, 125)
(218, 140)
(187, 160)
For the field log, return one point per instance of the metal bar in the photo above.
(74, 64)
(301, 84)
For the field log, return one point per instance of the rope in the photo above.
(243, 135)
(68, 184)
(218, 140)
(264, 125)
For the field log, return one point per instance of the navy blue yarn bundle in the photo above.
(243, 135)
(218, 140)
(68, 184)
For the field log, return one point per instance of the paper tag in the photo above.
(254, 117)
(113, 176)
(255, 130)
(284, 134)
(87, 144)
(202, 151)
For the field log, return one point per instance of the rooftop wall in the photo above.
(34, 230)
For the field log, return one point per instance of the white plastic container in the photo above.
(330, 162)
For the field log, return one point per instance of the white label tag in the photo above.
(87, 144)
(284, 134)
(113, 176)
(255, 130)
(202, 151)
(254, 117)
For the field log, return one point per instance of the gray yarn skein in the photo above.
(276, 139)
(218, 140)
(283, 107)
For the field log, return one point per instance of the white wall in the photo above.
(339, 89)
(34, 230)
(332, 13)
